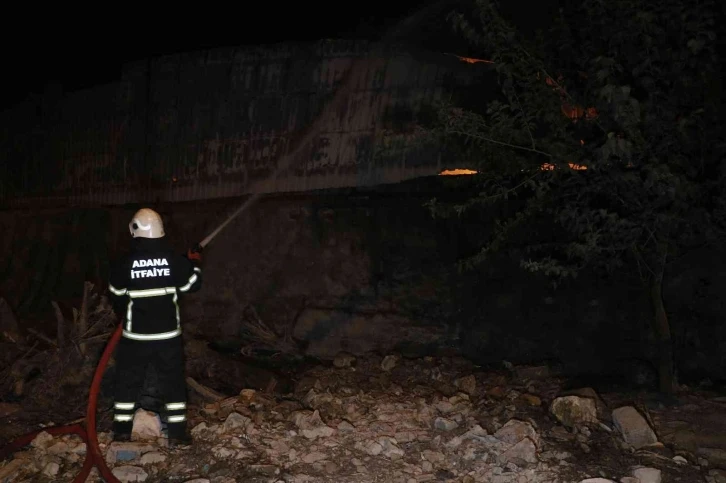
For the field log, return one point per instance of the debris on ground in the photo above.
(403, 420)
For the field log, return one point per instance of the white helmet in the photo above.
(146, 223)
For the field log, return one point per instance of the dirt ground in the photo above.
(372, 418)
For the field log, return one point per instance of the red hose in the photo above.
(89, 435)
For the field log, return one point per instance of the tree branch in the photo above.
(501, 143)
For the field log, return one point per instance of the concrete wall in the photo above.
(216, 123)
(361, 270)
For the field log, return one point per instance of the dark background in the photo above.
(46, 50)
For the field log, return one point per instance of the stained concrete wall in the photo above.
(362, 270)
(215, 123)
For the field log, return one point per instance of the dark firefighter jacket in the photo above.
(145, 286)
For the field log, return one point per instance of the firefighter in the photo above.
(145, 286)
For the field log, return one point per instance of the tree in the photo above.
(608, 127)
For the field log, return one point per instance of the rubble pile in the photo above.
(398, 420)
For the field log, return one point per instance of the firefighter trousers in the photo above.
(132, 360)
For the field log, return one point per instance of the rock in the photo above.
(531, 399)
(313, 457)
(597, 480)
(343, 359)
(715, 456)
(345, 427)
(126, 451)
(61, 447)
(42, 441)
(405, 436)
(198, 480)
(515, 431)
(373, 448)
(153, 458)
(236, 422)
(590, 393)
(51, 469)
(629, 479)
(389, 362)
(268, 470)
(634, 428)
(680, 460)
(717, 476)
(146, 427)
(444, 424)
(466, 384)
(200, 430)
(435, 457)
(319, 432)
(647, 475)
(574, 410)
(522, 454)
(9, 472)
(390, 448)
(222, 452)
(129, 473)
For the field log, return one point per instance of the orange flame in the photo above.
(574, 166)
(457, 172)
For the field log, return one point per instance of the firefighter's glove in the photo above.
(194, 254)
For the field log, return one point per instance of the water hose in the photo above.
(88, 434)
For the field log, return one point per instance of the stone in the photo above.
(61, 447)
(629, 479)
(343, 359)
(717, 476)
(146, 427)
(373, 448)
(597, 480)
(389, 362)
(118, 451)
(590, 393)
(268, 470)
(51, 469)
(236, 422)
(390, 448)
(42, 440)
(199, 430)
(466, 384)
(222, 452)
(198, 480)
(345, 427)
(522, 454)
(435, 457)
(574, 411)
(647, 475)
(680, 460)
(715, 456)
(531, 399)
(313, 457)
(633, 426)
(318, 432)
(515, 431)
(444, 424)
(9, 472)
(129, 473)
(153, 458)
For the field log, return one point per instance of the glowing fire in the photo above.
(576, 167)
(457, 172)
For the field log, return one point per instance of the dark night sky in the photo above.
(78, 52)
(80, 49)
